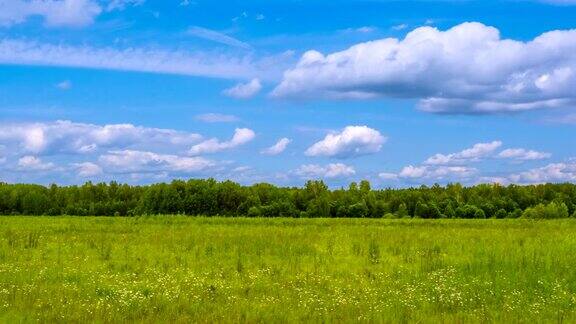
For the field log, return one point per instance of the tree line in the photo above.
(210, 198)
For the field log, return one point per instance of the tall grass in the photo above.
(177, 269)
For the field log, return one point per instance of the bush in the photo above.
(517, 213)
(254, 212)
(358, 210)
(501, 213)
(551, 211)
(469, 211)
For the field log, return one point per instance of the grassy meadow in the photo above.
(185, 269)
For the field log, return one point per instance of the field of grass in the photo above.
(178, 269)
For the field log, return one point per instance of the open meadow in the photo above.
(195, 269)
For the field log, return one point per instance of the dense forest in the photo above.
(210, 198)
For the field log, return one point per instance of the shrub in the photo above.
(551, 211)
(469, 211)
(501, 213)
(390, 216)
(254, 211)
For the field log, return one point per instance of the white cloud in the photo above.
(426, 172)
(244, 90)
(466, 69)
(332, 170)
(473, 154)
(117, 151)
(215, 36)
(366, 29)
(400, 27)
(362, 30)
(448, 172)
(521, 154)
(388, 176)
(74, 13)
(242, 169)
(277, 148)
(412, 172)
(454, 166)
(554, 172)
(217, 118)
(241, 137)
(350, 142)
(32, 163)
(122, 4)
(87, 169)
(129, 161)
(150, 60)
(243, 15)
(481, 151)
(64, 85)
(78, 138)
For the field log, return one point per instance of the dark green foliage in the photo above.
(210, 198)
(501, 213)
(469, 211)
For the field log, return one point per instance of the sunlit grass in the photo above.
(178, 269)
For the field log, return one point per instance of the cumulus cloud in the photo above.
(32, 163)
(521, 154)
(79, 138)
(87, 169)
(350, 142)
(554, 172)
(481, 151)
(217, 118)
(213, 145)
(277, 148)
(412, 173)
(388, 176)
(332, 170)
(473, 154)
(244, 90)
(115, 151)
(437, 172)
(74, 13)
(466, 69)
(455, 166)
(130, 161)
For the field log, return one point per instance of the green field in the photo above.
(178, 269)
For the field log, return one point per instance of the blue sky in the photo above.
(402, 93)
